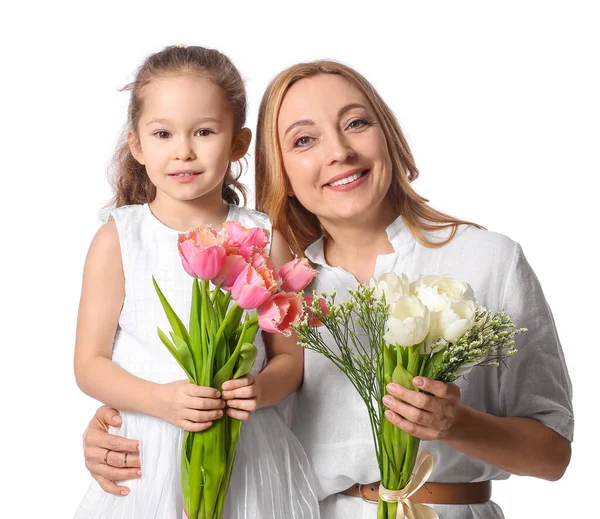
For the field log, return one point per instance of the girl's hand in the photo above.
(186, 405)
(98, 445)
(241, 396)
(424, 416)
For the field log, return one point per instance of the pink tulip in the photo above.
(261, 259)
(296, 275)
(232, 268)
(312, 319)
(253, 287)
(202, 252)
(246, 240)
(279, 313)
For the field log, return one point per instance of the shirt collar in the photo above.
(398, 234)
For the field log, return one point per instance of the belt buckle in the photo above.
(360, 491)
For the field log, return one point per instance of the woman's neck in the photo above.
(186, 214)
(354, 246)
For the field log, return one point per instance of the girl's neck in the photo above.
(182, 215)
(355, 245)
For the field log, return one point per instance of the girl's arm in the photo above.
(103, 291)
(285, 369)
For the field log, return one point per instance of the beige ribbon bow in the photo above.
(406, 509)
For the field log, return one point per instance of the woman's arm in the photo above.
(284, 371)
(97, 442)
(517, 445)
(103, 291)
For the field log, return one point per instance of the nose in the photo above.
(338, 148)
(183, 150)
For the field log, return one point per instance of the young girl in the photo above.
(186, 128)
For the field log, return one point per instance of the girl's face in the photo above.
(185, 138)
(334, 150)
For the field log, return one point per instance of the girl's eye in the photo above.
(302, 141)
(358, 123)
(162, 134)
(203, 133)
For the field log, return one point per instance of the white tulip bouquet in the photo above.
(393, 331)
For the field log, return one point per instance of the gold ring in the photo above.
(106, 458)
(125, 461)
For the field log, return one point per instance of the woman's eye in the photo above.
(203, 133)
(302, 141)
(162, 134)
(358, 123)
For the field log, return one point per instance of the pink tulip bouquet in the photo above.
(218, 343)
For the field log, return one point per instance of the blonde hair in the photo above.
(301, 227)
(131, 184)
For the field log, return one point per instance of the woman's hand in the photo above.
(186, 405)
(424, 416)
(110, 458)
(241, 396)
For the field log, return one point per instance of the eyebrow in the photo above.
(302, 122)
(309, 122)
(201, 120)
(349, 107)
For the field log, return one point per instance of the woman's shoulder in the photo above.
(477, 247)
(483, 239)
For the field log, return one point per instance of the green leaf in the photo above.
(402, 376)
(176, 323)
(165, 340)
(433, 364)
(414, 360)
(389, 359)
(246, 360)
(198, 355)
(250, 333)
(185, 356)
(226, 372)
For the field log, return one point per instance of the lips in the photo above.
(347, 178)
(186, 173)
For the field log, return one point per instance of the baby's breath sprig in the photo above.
(491, 340)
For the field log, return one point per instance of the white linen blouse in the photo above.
(331, 420)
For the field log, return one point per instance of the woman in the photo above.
(333, 173)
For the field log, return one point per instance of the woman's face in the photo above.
(334, 149)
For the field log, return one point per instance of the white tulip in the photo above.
(408, 323)
(390, 285)
(432, 298)
(436, 332)
(451, 287)
(457, 319)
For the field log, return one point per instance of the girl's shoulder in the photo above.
(125, 212)
(249, 217)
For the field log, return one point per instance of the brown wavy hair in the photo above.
(301, 227)
(130, 182)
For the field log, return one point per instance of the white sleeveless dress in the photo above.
(271, 476)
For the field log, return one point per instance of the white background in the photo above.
(499, 100)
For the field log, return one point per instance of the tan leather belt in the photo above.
(433, 493)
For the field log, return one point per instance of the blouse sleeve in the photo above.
(535, 383)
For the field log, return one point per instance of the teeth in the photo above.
(347, 180)
(185, 174)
